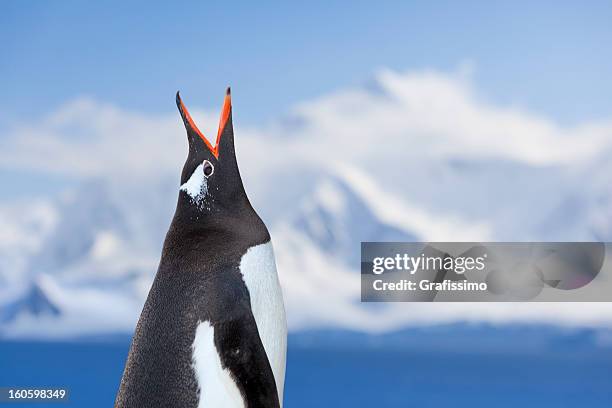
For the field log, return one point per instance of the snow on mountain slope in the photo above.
(23, 228)
(93, 254)
(86, 215)
(585, 212)
(319, 270)
(415, 156)
(333, 218)
(57, 310)
(317, 248)
(34, 303)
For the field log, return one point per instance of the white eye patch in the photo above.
(197, 185)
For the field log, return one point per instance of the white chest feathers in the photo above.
(217, 388)
(258, 269)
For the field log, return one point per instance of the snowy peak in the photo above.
(336, 218)
(34, 302)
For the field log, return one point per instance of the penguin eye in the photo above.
(208, 168)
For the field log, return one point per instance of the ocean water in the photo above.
(320, 375)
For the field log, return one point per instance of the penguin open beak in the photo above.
(190, 124)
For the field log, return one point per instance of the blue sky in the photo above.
(551, 57)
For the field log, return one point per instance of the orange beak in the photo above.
(225, 113)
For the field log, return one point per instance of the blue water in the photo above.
(319, 376)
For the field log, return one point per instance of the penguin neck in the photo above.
(231, 215)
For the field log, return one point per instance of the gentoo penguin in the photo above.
(212, 332)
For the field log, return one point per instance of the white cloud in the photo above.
(86, 138)
(435, 114)
(409, 114)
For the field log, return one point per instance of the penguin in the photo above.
(212, 332)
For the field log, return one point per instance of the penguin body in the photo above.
(213, 331)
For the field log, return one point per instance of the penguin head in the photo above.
(210, 181)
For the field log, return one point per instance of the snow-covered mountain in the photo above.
(98, 268)
(333, 217)
(33, 303)
(415, 157)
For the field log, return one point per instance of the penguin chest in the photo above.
(218, 387)
(258, 268)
